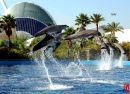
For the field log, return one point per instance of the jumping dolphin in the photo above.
(51, 29)
(89, 34)
(120, 47)
(106, 41)
(49, 41)
(103, 45)
(83, 34)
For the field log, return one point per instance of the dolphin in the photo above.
(49, 41)
(83, 34)
(51, 29)
(107, 42)
(103, 45)
(120, 47)
(89, 34)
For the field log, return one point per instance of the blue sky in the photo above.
(65, 11)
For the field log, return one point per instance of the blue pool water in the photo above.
(29, 77)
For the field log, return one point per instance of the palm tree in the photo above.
(69, 31)
(82, 20)
(110, 38)
(113, 27)
(7, 23)
(96, 18)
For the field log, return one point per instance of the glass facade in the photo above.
(29, 17)
(29, 25)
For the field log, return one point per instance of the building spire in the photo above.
(3, 4)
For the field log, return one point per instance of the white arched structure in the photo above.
(23, 34)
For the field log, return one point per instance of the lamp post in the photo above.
(88, 53)
(3, 4)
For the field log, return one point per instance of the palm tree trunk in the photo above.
(113, 37)
(9, 42)
(97, 26)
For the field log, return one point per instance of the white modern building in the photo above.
(30, 17)
(123, 36)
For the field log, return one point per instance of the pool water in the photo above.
(69, 78)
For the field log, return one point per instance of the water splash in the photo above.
(106, 60)
(73, 70)
(77, 69)
(46, 69)
(42, 64)
(49, 55)
(82, 66)
(120, 61)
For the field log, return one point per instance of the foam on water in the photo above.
(108, 82)
(54, 87)
(59, 87)
(104, 66)
(82, 79)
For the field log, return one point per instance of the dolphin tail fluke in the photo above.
(43, 42)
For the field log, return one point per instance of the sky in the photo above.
(65, 11)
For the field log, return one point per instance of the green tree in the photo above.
(96, 18)
(112, 28)
(68, 31)
(19, 43)
(7, 23)
(82, 20)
